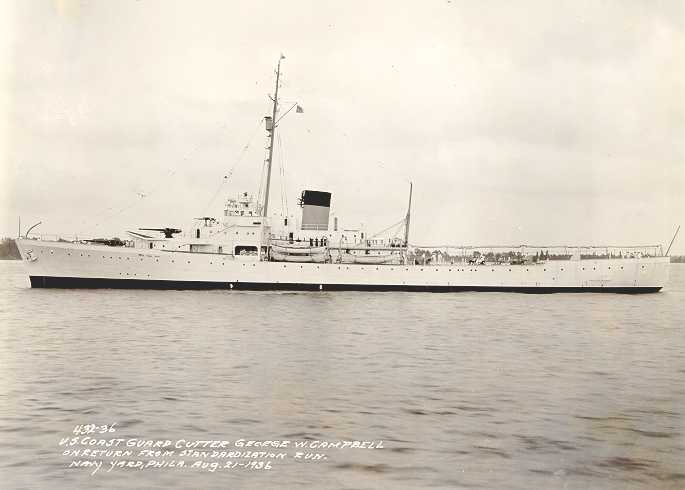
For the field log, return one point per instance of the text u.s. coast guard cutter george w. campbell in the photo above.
(244, 249)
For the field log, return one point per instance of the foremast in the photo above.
(271, 130)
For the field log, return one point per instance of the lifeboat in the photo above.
(287, 250)
(298, 257)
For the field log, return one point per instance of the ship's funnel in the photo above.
(316, 206)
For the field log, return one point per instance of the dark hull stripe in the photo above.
(93, 283)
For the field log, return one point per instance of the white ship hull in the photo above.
(77, 265)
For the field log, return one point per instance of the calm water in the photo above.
(467, 390)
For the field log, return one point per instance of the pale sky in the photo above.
(518, 122)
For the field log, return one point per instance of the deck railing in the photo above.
(501, 253)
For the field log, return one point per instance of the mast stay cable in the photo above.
(284, 193)
(226, 178)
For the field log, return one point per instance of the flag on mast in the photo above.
(299, 109)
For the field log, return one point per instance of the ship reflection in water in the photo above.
(466, 391)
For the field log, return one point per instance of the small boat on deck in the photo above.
(298, 250)
(318, 258)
